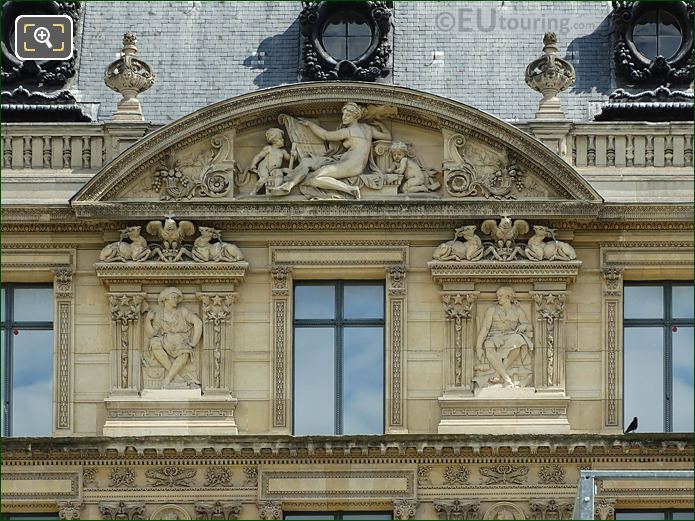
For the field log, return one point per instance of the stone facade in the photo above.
(173, 252)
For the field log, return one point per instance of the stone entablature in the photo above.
(416, 476)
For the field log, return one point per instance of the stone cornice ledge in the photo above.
(421, 445)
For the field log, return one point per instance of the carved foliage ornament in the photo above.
(320, 64)
(121, 477)
(123, 510)
(471, 171)
(504, 244)
(171, 245)
(206, 174)
(69, 509)
(635, 67)
(270, 510)
(30, 72)
(218, 477)
(404, 509)
(170, 476)
(551, 509)
(221, 510)
(504, 474)
(457, 509)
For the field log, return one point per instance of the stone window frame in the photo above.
(34, 264)
(665, 322)
(361, 260)
(631, 261)
(340, 323)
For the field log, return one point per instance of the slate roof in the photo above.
(203, 52)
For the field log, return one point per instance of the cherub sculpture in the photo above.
(471, 249)
(267, 164)
(538, 250)
(204, 250)
(415, 179)
(136, 250)
(170, 233)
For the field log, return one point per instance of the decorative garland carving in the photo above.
(171, 476)
(250, 477)
(551, 474)
(121, 477)
(505, 474)
(396, 276)
(423, 476)
(612, 291)
(458, 308)
(63, 294)
(218, 477)
(280, 290)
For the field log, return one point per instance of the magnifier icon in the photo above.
(43, 35)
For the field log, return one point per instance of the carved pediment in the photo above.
(321, 141)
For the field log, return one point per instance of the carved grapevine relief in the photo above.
(89, 475)
(504, 474)
(218, 477)
(550, 308)
(250, 476)
(455, 475)
(216, 311)
(551, 474)
(170, 476)
(423, 475)
(120, 477)
(125, 310)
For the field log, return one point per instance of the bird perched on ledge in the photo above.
(632, 426)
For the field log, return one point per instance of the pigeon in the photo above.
(632, 426)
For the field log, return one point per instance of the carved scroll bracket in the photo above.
(396, 348)
(216, 313)
(458, 310)
(550, 348)
(281, 284)
(126, 351)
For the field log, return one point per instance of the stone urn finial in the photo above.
(129, 76)
(549, 75)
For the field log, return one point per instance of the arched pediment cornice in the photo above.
(103, 195)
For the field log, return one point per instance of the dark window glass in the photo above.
(353, 516)
(653, 514)
(658, 356)
(339, 358)
(27, 360)
(346, 35)
(657, 33)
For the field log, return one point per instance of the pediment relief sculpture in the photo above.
(170, 246)
(504, 244)
(330, 141)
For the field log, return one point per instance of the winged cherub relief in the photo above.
(334, 163)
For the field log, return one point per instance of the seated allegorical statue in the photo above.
(504, 344)
(173, 333)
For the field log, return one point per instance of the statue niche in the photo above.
(504, 347)
(172, 334)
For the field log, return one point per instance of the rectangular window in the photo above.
(338, 358)
(27, 360)
(654, 514)
(658, 356)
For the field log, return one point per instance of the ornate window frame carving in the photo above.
(361, 259)
(57, 265)
(632, 65)
(631, 261)
(320, 65)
